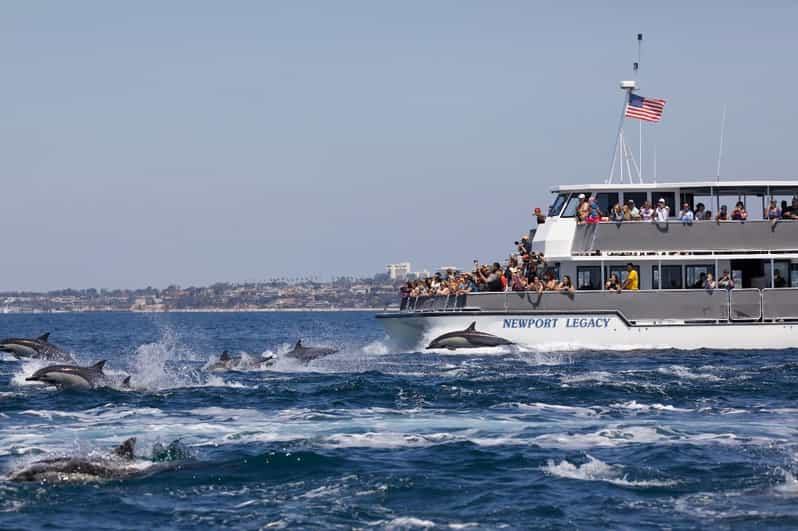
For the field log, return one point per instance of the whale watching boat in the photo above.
(673, 307)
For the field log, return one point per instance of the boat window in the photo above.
(606, 200)
(588, 277)
(782, 267)
(638, 197)
(695, 275)
(554, 209)
(670, 200)
(671, 277)
(794, 275)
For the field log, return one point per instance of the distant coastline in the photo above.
(343, 294)
(199, 310)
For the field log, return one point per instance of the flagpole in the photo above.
(627, 86)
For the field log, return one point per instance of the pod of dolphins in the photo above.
(68, 374)
(118, 464)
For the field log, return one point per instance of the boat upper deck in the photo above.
(563, 236)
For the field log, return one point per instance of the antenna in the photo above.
(639, 122)
(722, 133)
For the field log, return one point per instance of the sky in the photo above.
(191, 142)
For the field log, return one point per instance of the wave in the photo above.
(633, 405)
(597, 470)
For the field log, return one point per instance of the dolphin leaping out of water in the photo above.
(71, 376)
(226, 362)
(39, 348)
(307, 354)
(468, 338)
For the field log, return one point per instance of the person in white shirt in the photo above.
(686, 215)
(663, 212)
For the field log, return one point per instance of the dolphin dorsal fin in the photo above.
(99, 365)
(126, 382)
(298, 344)
(44, 337)
(125, 450)
(225, 356)
(472, 327)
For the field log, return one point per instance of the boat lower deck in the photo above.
(684, 319)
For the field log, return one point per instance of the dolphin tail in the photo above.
(125, 450)
(44, 337)
(99, 365)
(472, 327)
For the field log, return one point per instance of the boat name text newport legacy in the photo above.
(554, 322)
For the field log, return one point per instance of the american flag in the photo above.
(648, 109)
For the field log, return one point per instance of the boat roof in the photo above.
(703, 186)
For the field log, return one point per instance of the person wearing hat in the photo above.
(663, 211)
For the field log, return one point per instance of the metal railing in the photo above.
(643, 306)
(779, 303)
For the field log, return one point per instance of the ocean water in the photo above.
(374, 438)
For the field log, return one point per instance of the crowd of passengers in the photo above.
(525, 277)
(525, 270)
(589, 211)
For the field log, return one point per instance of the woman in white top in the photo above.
(663, 212)
(647, 213)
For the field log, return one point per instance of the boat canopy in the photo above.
(759, 188)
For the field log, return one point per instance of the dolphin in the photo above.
(39, 348)
(468, 338)
(81, 469)
(118, 464)
(71, 376)
(226, 362)
(307, 354)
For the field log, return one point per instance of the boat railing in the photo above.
(676, 236)
(635, 307)
(780, 304)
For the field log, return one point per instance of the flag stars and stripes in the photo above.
(648, 109)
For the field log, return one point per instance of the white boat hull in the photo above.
(558, 332)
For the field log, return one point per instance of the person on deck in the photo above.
(663, 211)
(632, 281)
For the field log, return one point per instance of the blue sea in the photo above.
(375, 438)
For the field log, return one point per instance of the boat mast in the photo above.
(621, 151)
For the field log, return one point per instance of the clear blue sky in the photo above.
(149, 143)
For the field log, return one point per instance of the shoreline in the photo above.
(205, 310)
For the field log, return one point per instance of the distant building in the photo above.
(398, 271)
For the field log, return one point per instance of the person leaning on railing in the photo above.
(725, 281)
(789, 211)
(739, 213)
(663, 211)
